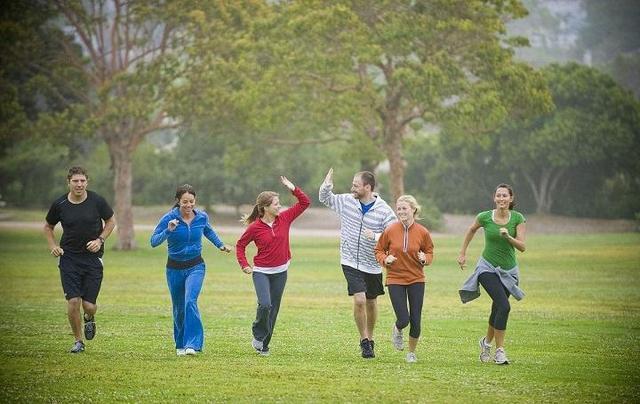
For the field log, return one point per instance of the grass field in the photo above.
(574, 338)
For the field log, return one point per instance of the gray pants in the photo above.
(269, 290)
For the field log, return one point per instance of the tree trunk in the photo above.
(393, 151)
(543, 188)
(122, 161)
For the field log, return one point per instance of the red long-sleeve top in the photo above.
(272, 241)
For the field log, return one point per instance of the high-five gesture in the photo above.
(287, 183)
(329, 178)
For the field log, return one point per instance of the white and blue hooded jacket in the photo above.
(356, 250)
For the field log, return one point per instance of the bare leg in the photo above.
(360, 314)
(75, 320)
(372, 316)
(89, 308)
(413, 343)
(490, 334)
(500, 338)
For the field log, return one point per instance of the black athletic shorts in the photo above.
(81, 276)
(358, 281)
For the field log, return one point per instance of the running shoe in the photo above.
(501, 357)
(366, 347)
(396, 338)
(485, 350)
(89, 327)
(411, 357)
(257, 345)
(77, 347)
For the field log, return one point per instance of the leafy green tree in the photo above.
(611, 36)
(593, 133)
(129, 59)
(128, 68)
(374, 69)
(34, 83)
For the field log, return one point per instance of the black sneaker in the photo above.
(78, 347)
(365, 346)
(372, 343)
(89, 328)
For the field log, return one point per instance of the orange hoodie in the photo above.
(404, 244)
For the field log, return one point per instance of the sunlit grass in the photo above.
(575, 337)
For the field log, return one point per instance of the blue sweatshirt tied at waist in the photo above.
(185, 242)
(470, 290)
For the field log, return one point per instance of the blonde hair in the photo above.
(263, 200)
(413, 204)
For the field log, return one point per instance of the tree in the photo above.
(611, 36)
(380, 68)
(135, 61)
(32, 84)
(129, 60)
(593, 133)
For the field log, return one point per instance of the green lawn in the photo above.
(575, 337)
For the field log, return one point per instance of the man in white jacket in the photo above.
(363, 217)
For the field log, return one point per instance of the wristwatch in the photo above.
(101, 239)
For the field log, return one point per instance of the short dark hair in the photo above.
(77, 170)
(183, 189)
(367, 178)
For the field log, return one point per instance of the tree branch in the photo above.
(289, 142)
(329, 85)
(84, 37)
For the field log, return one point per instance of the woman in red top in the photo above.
(404, 249)
(268, 228)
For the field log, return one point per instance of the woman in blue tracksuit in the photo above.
(183, 228)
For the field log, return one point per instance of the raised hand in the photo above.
(287, 183)
(329, 177)
(390, 259)
(171, 226)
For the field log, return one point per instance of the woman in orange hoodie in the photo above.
(404, 249)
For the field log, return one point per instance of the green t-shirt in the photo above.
(497, 250)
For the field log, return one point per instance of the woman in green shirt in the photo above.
(497, 269)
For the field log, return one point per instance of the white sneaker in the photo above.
(396, 338)
(411, 357)
(180, 352)
(257, 345)
(485, 350)
(190, 351)
(501, 357)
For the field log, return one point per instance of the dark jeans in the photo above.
(269, 290)
(500, 296)
(414, 294)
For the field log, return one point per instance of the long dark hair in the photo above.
(263, 200)
(509, 188)
(181, 190)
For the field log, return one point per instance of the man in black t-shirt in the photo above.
(81, 214)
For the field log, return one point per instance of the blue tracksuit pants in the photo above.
(185, 286)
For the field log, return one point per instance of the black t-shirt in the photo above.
(81, 222)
